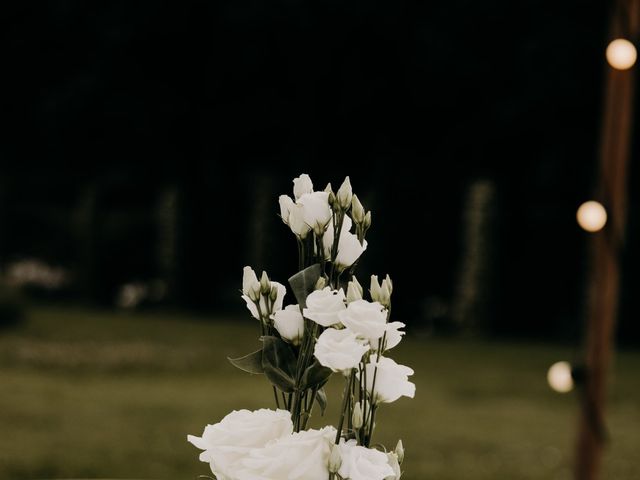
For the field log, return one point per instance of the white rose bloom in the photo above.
(349, 248)
(302, 185)
(339, 350)
(365, 319)
(238, 433)
(286, 204)
(327, 240)
(248, 279)
(324, 305)
(392, 458)
(277, 305)
(317, 212)
(289, 323)
(393, 335)
(392, 380)
(361, 463)
(293, 215)
(297, 221)
(301, 456)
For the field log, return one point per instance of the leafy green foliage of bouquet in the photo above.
(327, 332)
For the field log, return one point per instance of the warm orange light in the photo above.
(591, 216)
(559, 377)
(621, 54)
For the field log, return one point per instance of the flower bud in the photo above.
(331, 199)
(357, 210)
(367, 221)
(302, 185)
(356, 416)
(273, 295)
(354, 291)
(375, 290)
(321, 283)
(335, 460)
(381, 293)
(265, 285)
(389, 283)
(345, 194)
(400, 451)
(386, 288)
(254, 291)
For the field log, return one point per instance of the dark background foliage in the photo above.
(141, 131)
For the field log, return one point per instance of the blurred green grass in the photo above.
(100, 394)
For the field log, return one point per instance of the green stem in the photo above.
(320, 246)
(300, 254)
(294, 409)
(275, 395)
(314, 393)
(374, 409)
(345, 394)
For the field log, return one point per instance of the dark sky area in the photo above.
(109, 104)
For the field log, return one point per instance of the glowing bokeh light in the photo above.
(621, 54)
(591, 216)
(560, 378)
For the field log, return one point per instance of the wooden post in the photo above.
(607, 245)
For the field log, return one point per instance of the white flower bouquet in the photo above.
(303, 344)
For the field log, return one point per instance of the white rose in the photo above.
(277, 305)
(324, 305)
(349, 247)
(339, 350)
(349, 250)
(392, 380)
(301, 456)
(327, 240)
(293, 215)
(238, 433)
(297, 221)
(361, 463)
(302, 185)
(290, 324)
(249, 279)
(392, 336)
(392, 458)
(365, 319)
(286, 203)
(317, 212)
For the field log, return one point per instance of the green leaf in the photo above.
(304, 282)
(315, 375)
(279, 363)
(321, 398)
(251, 363)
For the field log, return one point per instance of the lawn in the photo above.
(96, 394)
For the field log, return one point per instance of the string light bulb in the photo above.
(621, 54)
(591, 216)
(560, 378)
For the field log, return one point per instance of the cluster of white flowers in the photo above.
(261, 444)
(325, 332)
